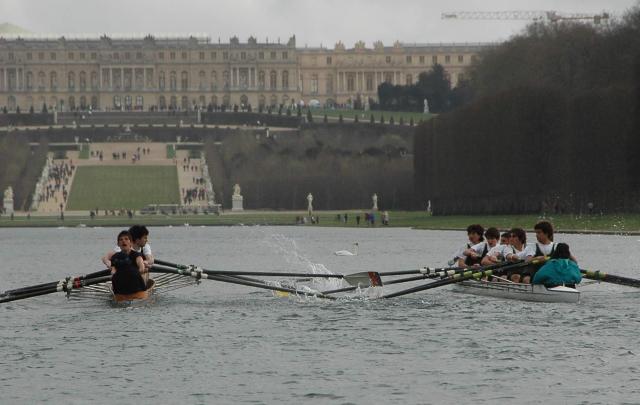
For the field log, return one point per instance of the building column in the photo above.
(121, 79)
(111, 79)
(144, 78)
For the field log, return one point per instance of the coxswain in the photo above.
(140, 243)
(559, 270)
(474, 234)
(127, 267)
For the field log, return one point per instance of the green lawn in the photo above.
(114, 187)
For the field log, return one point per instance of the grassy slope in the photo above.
(115, 187)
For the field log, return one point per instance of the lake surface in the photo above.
(222, 344)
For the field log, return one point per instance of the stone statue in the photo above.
(374, 198)
(429, 207)
(237, 199)
(426, 106)
(310, 203)
(8, 193)
(366, 103)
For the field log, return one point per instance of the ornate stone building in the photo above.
(170, 72)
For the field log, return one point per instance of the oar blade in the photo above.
(364, 279)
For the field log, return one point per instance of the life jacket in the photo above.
(470, 261)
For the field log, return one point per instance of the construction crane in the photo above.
(552, 16)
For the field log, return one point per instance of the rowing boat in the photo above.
(137, 297)
(518, 291)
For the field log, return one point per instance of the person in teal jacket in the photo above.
(559, 270)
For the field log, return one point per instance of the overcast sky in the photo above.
(314, 22)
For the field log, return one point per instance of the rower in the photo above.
(560, 270)
(544, 236)
(477, 252)
(140, 239)
(474, 233)
(498, 253)
(520, 251)
(127, 267)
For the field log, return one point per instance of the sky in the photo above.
(314, 22)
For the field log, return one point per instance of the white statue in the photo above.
(310, 203)
(237, 200)
(429, 207)
(374, 198)
(426, 106)
(366, 104)
(8, 193)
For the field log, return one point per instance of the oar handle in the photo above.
(610, 278)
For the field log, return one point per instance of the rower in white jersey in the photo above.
(544, 236)
(520, 251)
(477, 252)
(498, 253)
(474, 233)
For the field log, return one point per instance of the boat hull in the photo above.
(135, 298)
(517, 291)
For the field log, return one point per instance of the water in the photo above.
(220, 343)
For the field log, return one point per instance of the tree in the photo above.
(435, 87)
(372, 120)
(355, 118)
(325, 119)
(44, 108)
(309, 115)
(382, 118)
(340, 118)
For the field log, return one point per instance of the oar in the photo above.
(362, 279)
(45, 286)
(199, 273)
(419, 271)
(458, 277)
(66, 287)
(610, 278)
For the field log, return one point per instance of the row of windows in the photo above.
(409, 59)
(161, 55)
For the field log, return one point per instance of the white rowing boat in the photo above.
(518, 291)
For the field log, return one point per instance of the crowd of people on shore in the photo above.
(492, 248)
(57, 182)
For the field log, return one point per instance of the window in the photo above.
(172, 55)
(127, 55)
(434, 59)
(409, 59)
(260, 55)
(422, 59)
(138, 55)
(214, 55)
(83, 80)
(94, 56)
(243, 55)
(70, 56)
(40, 55)
(351, 82)
(160, 55)
(29, 56)
(52, 56)
(314, 84)
(460, 58)
(273, 55)
(261, 79)
(173, 81)
(447, 59)
(225, 55)
(409, 80)
(388, 59)
(161, 80)
(273, 79)
(184, 55)
(11, 57)
(285, 55)
(329, 61)
(201, 55)
(285, 79)
(82, 56)
(184, 80)
(71, 80)
(116, 55)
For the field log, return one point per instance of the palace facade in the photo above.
(183, 73)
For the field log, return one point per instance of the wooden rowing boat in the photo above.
(137, 297)
(518, 291)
